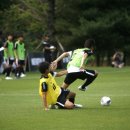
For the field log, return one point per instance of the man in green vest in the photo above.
(20, 57)
(9, 51)
(77, 66)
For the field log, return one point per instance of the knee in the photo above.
(69, 105)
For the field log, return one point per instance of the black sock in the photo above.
(72, 100)
(16, 71)
(4, 71)
(8, 71)
(89, 81)
(22, 70)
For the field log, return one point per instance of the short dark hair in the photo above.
(89, 43)
(43, 66)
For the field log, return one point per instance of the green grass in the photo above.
(21, 107)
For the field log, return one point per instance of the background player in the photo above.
(77, 67)
(9, 51)
(20, 57)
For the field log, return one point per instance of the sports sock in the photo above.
(16, 71)
(4, 71)
(22, 70)
(88, 81)
(72, 100)
(8, 70)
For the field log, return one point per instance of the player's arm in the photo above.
(6, 46)
(85, 55)
(65, 54)
(59, 74)
(44, 98)
(47, 48)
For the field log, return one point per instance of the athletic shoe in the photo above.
(82, 89)
(8, 78)
(22, 75)
(78, 105)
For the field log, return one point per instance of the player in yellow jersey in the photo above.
(50, 92)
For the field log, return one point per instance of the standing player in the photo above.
(77, 67)
(9, 51)
(50, 92)
(48, 49)
(20, 57)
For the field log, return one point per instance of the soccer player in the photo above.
(19, 50)
(50, 92)
(9, 51)
(48, 49)
(77, 67)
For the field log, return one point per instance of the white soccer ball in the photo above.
(105, 101)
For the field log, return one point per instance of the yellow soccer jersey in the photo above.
(53, 91)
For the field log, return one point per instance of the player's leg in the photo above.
(22, 68)
(69, 105)
(71, 97)
(63, 101)
(5, 66)
(90, 77)
(8, 70)
(69, 79)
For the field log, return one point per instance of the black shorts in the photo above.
(62, 98)
(71, 77)
(11, 61)
(21, 62)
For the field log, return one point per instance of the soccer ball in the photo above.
(105, 101)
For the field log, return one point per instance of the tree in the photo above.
(72, 22)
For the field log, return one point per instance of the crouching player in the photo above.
(51, 93)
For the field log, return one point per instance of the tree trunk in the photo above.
(98, 59)
(51, 19)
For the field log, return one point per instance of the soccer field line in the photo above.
(34, 94)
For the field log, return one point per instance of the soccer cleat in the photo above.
(78, 105)
(22, 75)
(8, 78)
(82, 89)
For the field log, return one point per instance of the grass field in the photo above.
(21, 107)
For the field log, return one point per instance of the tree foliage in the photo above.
(107, 21)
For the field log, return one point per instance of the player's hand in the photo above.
(46, 109)
(54, 65)
(81, 68)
